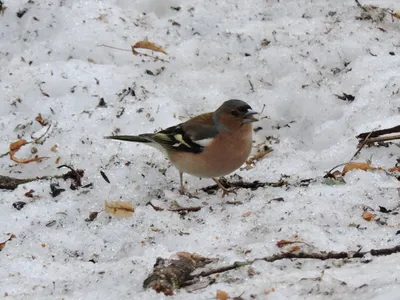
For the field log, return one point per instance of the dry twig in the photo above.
(172, 274)
(10, 183)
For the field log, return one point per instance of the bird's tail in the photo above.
(143, 138)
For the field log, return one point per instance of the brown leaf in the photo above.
(293, 249)
(247, 214)
(266, 291)
(146, 45)
(92, 216)
(102, 17)
(396, 14)
(58, 160)
(259, 156)
(358, 166)
(119, 208)
(282, 243)
(41, 121)
(14, 147)
(368, 216)
(3, 244)
(394, 169)
(54, 148)
(29, 194)
(250, 163)
(221, 295)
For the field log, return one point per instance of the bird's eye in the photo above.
(235, 113)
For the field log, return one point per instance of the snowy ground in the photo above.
(50, 59)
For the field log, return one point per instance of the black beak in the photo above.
(249, 116)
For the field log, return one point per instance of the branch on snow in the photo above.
(174, 273)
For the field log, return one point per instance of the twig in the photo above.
(301, 255)
(36, 140)
(178, 271)
(135, 53)
(377, 133)
(4, 154)
(177, 208)
(366, 139)
(360, 6)
(361, 146)
(156, 208)
(77, 176)
(169, 274)
(383, 139)
(102, 45)
(245, 185)
(10, 183)
(182, 209)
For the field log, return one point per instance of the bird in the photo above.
(209, 145)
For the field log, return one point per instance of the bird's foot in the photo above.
(184, 192)
(225, 191)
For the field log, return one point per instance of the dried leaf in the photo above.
(266, 291)
(396, 14)
(19, 205)
(282, 243)
(368, 216)
(58, 160)
(29, 194)
(92, 216)
(90, 60)
(247, 214)
(358, 166)
(293, 249)
(146, 45)
(41, 120)
(3, 244)
(250, 163)
(265, 42)
(258, 156)
(221, 295)
(102, 17)
(119, 208)
(54, 148)
(394, 169)
(55, 190)
(14, 147)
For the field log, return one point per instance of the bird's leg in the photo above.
(182, 190)
(225, 191)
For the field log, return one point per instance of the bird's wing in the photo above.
(191, 136)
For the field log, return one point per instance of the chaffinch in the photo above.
(209, 145)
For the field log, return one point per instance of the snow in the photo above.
(318, 49)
